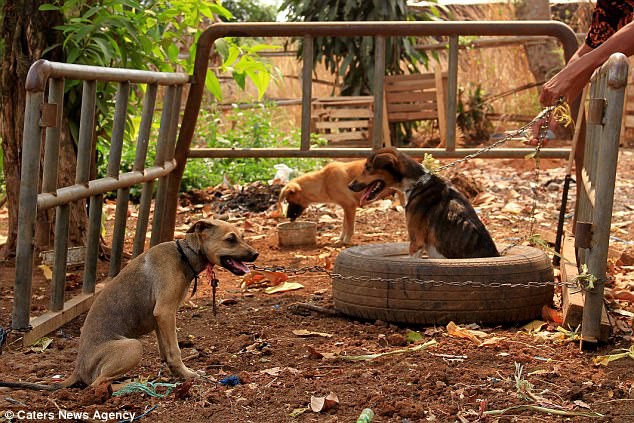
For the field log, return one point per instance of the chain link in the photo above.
(407, 279)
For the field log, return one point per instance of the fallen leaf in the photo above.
(326, 218)
(263, 277)
(46, 271)
(283, 287)
(182, 390)
(413, 336)
(41, 344)
(513, 207)
(534, 326)
(623, 294)
(298, 412)
(319, 404)
(481, 339)
(552, 315)
(308, 333)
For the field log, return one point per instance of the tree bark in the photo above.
(544, 58)
(27, 32)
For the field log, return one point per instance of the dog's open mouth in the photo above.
(372, 191)
(234, 265)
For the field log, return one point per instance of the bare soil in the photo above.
(252, 336)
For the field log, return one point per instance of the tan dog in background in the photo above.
(327, 185)
(143, 298)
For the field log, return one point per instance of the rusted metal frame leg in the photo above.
(139, 164)
(379, 76)
(166, 234)
(92, 243)
(30, 173)
(53, 123)
(307, 91)
(615, 80)
(61, 252)
(161, 154)
(114, 165)
(452, 93)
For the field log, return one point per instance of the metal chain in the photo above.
(546, 112)
(407, 279)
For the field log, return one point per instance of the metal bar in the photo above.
(118, 233)
(307, 92)
(86, 130)
(143, 218)
(92, 244)
(41, 70)
(615, 72)
(452, 93)
(170, 203)
(51, 157)
(161, 153)
(379, 77)
(30, 173)
(502, 153)
(145, 127)
(118, 129)
(139, 164)
(103, 185)
(330, 29)
(114, 165)
(58, 284)
(51, 145)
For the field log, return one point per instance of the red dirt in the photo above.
(252, 337)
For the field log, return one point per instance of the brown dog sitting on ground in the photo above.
(440, 220)
(144, 297)
(328, 185)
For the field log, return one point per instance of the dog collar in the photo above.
(189, 264)
(424, 179)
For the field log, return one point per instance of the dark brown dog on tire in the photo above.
(143, 298)
(440, 220)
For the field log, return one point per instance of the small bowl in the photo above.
(297, 234)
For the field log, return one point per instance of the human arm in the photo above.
(569, 82)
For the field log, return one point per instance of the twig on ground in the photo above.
(312, 307)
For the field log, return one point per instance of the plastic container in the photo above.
(297, 234)
(366, 416)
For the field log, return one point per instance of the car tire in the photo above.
(382, 282)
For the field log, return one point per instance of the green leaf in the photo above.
(48, 7)
(213, 85)
(413, 336)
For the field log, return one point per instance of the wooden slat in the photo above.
(345, 113)
(402, 117)
(362, 124)
(349, 136)
(411, 85)
(49, 321)
(410, 96)
(412, 107)
(587, 184)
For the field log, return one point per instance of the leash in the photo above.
(186, 260)
(214, 285)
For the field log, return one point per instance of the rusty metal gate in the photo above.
(596, 193)
(43, 120)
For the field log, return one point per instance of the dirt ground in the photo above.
(522, 376)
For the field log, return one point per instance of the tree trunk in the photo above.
(544, 58)
(27, 32)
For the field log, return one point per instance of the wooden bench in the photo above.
(418, 96)
(345, 121)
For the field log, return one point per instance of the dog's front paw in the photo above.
(185, 373)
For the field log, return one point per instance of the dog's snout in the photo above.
(356, 186)
(253, 256)
(294, 211)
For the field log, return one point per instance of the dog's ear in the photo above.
(385, 161)
(200, 226)
(289, 190)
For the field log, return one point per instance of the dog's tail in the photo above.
(72, 380)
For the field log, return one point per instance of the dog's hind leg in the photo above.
(116, 358)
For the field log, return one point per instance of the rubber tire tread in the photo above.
(407, 301)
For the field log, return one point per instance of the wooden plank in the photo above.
(345, 113)
(402, 117)
(441, 105)
(412, 107)
(347, 136)
(46, 323)
(348, 124)
(411, 97)
(573, 298)
(411, 85)
(587, 185)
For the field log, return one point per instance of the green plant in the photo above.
(353, 58)
(471, 118)
(249, 11)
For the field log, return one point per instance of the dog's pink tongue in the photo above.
(239, 265)
(365, 195)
